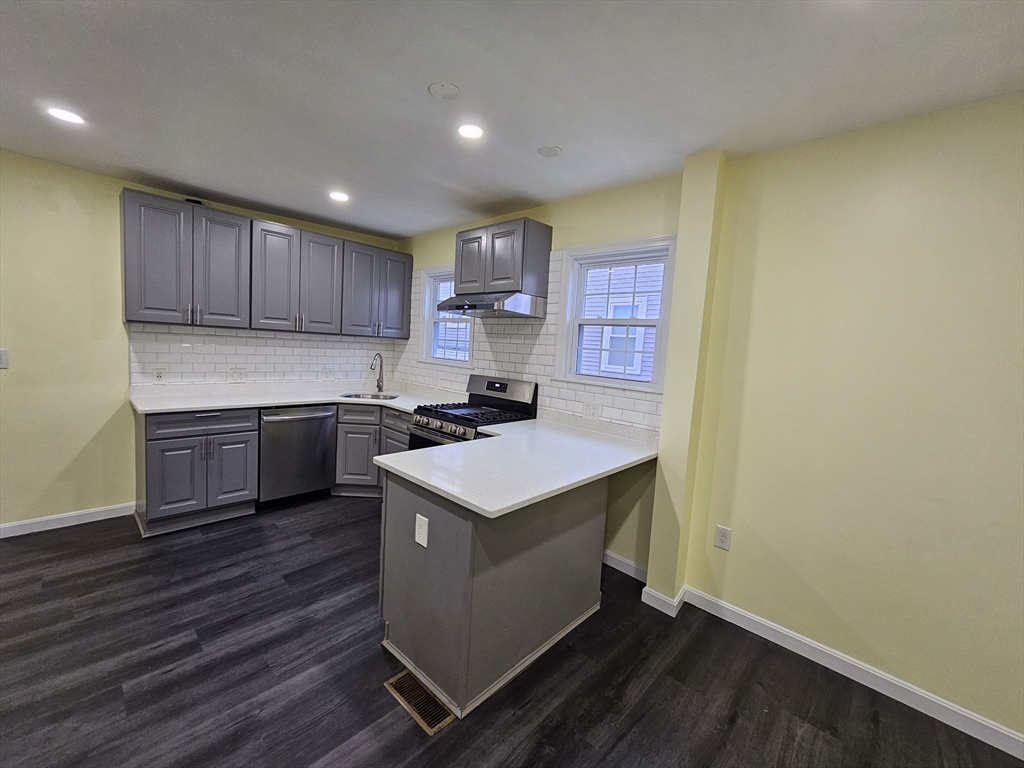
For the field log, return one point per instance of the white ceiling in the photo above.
(271, 104)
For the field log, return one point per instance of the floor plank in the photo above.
(256, 642)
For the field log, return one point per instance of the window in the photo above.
(448, 336)
(618, 299)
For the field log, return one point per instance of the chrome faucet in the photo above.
(380, 370)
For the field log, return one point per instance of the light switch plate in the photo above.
(421, 530)
(159, 375)
(236, 375)
(3, 358)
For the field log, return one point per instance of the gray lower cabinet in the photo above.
(195, 467)
(184, 264)
(377, 293)
(392, 441)
(357, 445)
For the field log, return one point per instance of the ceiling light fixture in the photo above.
(549, 151)
(471, 131)
(63, 114)
(443, 91)
(341, 197)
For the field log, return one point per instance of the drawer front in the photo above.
(397, 420)
(358, 414)
(160, 426)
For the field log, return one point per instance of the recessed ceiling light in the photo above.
(341, 197)
(471, 131)
(63, 114)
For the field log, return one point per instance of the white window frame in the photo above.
(575, 262)
(432, 276)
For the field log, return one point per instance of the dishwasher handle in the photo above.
(297, 415)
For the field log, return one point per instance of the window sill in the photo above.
(599, 381)
(447, 363)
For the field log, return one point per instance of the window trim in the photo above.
(574, 262)
(431, 276)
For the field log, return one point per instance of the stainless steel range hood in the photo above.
(496, 305)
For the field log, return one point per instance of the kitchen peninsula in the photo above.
(491, 550)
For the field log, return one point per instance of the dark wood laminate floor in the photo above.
(256, 642)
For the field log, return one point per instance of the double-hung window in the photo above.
(448, 336)
(618, 298)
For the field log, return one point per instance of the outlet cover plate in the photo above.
(590, 410)
(236, 375)
(159, 375)
(421, 530)
(723, 537)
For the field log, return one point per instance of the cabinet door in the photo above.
(356, 448)
(157, 243)
(394, 304)
(221, 244)
(175, 477)
(275, 277)
(360, 278)
(505, 256)
(320, 283)
(231, 468)
(470, 261)
(392, 441)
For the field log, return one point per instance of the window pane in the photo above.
(450, 340)
(616, 351)
(623, 291)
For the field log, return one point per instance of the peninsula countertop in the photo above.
(525, 462)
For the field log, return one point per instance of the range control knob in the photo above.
(452, 429)
(462, 431)
(437, 424)
(416, 419)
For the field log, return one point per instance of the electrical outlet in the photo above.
(236, 375)
(4, 362)
(159, 375)
(421, 530)
(590, 410)
(723, 537)
(328, 374)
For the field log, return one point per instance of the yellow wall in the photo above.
(65, 422)
(865, 437)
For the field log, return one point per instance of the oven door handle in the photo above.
(431, 435)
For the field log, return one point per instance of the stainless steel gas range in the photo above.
(491, 401)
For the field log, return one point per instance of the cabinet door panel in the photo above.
(395, 294)
(175, 477)
(221, 256)
(157, 243)
(320, 292)
(505, 256)
(392, 441)
(232, 466)
(360, 294)
(275, 276)
(470, 261)
(356, 448)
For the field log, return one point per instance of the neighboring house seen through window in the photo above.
(449, 336)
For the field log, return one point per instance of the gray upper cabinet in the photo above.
(275, 276)
(506, 257)
(377, 292)
(183, 263)
(157, 244)
(470, 261)
(395, 294)
(320, 283)
(220, 280)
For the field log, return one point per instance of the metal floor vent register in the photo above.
(424, 707)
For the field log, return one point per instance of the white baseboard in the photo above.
(62, 521)
(628, 567)
(663, 603)
(947, 712)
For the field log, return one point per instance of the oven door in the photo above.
(426, 438)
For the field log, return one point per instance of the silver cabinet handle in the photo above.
(209, 415)
(202, 449)
(210, 453)
(302, 326)
(296, 321)
(270, 418)
(189, 311)
(199, 315)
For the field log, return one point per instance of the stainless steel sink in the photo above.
(369, 396)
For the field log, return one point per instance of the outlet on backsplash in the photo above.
(236, 375)
(159, 375)
(590, 410)
(328, 374)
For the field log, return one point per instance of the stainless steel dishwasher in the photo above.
(298, 448)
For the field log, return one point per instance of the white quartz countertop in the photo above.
(246, 398)
(526, 462)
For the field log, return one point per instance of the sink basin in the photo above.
(370, 396)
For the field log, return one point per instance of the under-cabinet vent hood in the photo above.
(501, 270)
(496, 305)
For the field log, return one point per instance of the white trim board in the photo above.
(951, 714)
(627, 567)
(22, 527)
